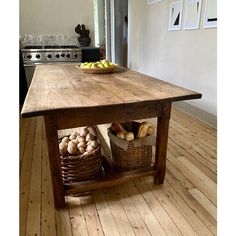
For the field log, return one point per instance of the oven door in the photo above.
(29, 72)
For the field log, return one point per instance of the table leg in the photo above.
(54, 161)
(161, 144)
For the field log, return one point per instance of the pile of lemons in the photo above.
(98, 64)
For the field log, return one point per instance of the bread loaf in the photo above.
(142, 130)
(150, 130)
(129, 136)
(120, 135)
(118, 128)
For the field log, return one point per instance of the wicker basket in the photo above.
(136, 157)
(81, 167)
(98, 70)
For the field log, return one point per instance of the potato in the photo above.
(65, 140)
(63, 148)
(86, 153)
(72, 149)
(94, 144)
(72, 136)
(75, 133)
(82, 150)
(81, 139)
(72, 143)
(76, 141)
(81, 145)
(89, 148)
(90, 137)
(84, 132)
(89, 142)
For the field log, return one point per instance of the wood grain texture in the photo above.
(54, 160)
(62, 86)
(161, 144)
(182, 205)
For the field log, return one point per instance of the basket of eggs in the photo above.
(80, 156)
(131, 145)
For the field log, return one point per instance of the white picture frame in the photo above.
(192, 14)
(175, 15)
(149, 2)
(210, 15)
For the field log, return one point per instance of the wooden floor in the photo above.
(184, 205)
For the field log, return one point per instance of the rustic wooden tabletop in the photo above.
(64, 86)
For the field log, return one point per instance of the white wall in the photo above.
(186, 58)
(55, 16)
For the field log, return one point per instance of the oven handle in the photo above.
(50, 63)
(29, 65)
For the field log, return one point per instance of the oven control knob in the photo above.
(57, 55)
(49, 55)
(75, 55)
(38, 56)
(63, 54)
(68, 55)
(29, 56)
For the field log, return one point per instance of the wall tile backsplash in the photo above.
(49, 40)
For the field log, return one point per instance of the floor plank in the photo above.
(105, 214)
(203, 200)
(183, 191)
(165, 220)
(34, 215)
(93, 222)
(118, 212)
(199, 179)
(48, 220)
(25, 177)
(184, 205)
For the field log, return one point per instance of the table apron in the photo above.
(107, 114)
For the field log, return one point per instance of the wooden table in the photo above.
(69, 98)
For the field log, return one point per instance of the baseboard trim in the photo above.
(197, 113)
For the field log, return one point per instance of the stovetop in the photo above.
(36, 54)
(50, 46)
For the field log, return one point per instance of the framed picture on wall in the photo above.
(192, 14)
(210, 16)
(175, 15)
(153, 1)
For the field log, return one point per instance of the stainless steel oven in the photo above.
(35, 55)
(48, 54)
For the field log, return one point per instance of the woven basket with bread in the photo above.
(131, 145)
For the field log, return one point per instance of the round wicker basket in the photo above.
(81, 167)
(98, 70)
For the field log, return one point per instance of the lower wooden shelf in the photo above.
(107, 179)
